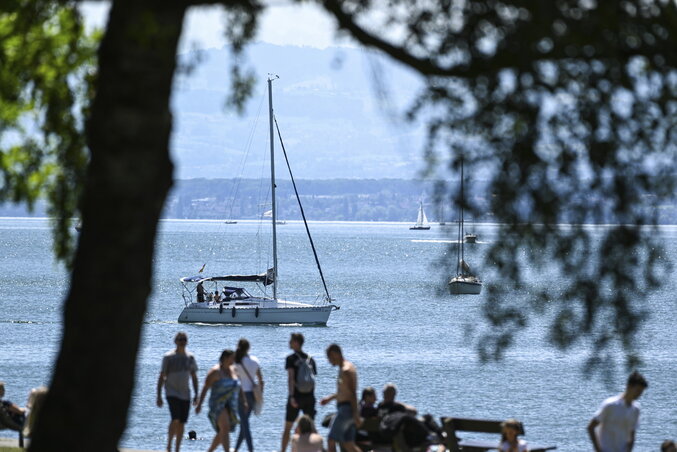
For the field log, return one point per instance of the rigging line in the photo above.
(303, 214)
(243, 160)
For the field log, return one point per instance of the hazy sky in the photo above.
(283, 23)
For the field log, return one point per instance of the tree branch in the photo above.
(425, 66)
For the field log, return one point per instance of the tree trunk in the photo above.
(129, 176)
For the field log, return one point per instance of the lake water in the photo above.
(393, 324)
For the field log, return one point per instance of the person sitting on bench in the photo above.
(12, 416)
(389, 405)
(509, 441)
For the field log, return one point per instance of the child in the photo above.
(509, 441)
(368, 403)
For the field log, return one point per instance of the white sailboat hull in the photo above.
(256, 313)
(465, 285)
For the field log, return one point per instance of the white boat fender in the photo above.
(233, 312)
(256, 312)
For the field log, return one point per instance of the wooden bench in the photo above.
(453, 443)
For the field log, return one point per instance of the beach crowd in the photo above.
(236, 387)
(236, 384)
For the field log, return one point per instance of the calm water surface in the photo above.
(393, 325)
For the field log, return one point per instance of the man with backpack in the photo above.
(301, 371)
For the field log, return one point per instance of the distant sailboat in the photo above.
(470, 237)
(440, 219)
(421, 221)
(465, 282)
(269, 213)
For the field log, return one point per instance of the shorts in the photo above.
(305, 402)
(178, 409)
(342, 428)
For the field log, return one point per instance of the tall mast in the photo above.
(462, 228)
(272, 180)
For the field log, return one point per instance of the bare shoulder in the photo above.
(316, 439)
(213, 371)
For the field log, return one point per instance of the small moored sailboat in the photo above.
(465, 282)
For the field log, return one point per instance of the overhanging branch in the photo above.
(425, 66)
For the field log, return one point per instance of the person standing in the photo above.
(301, 395)
(246, 367)
(612, 428)
(200, 293)
(178, 366)
(343, 427)
(223, 399)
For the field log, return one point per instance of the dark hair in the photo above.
(298, 337)
(225, 354)
(637, 379)
(665, 446)
(389, 388)
(180, 334)
(306, 425)
(334, 348)
(242, 349)
(367, 392)
(513, 424)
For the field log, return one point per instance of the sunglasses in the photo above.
(181, 339)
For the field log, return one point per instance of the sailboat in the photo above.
(465, 282)
(236, 305)
(440, 218)
(470, 237)
(421, 220)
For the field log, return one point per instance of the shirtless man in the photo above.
(344, 426)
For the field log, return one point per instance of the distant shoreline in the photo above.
(347, 222)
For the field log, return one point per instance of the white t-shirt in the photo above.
(617, 420)
(521, 446)
(252, 365)
(178, 369)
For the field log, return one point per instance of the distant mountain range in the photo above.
(336, 119)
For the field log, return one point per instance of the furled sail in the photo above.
(266, 278)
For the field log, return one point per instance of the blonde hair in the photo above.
(35, 400)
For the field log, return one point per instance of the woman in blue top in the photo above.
(223, 400)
